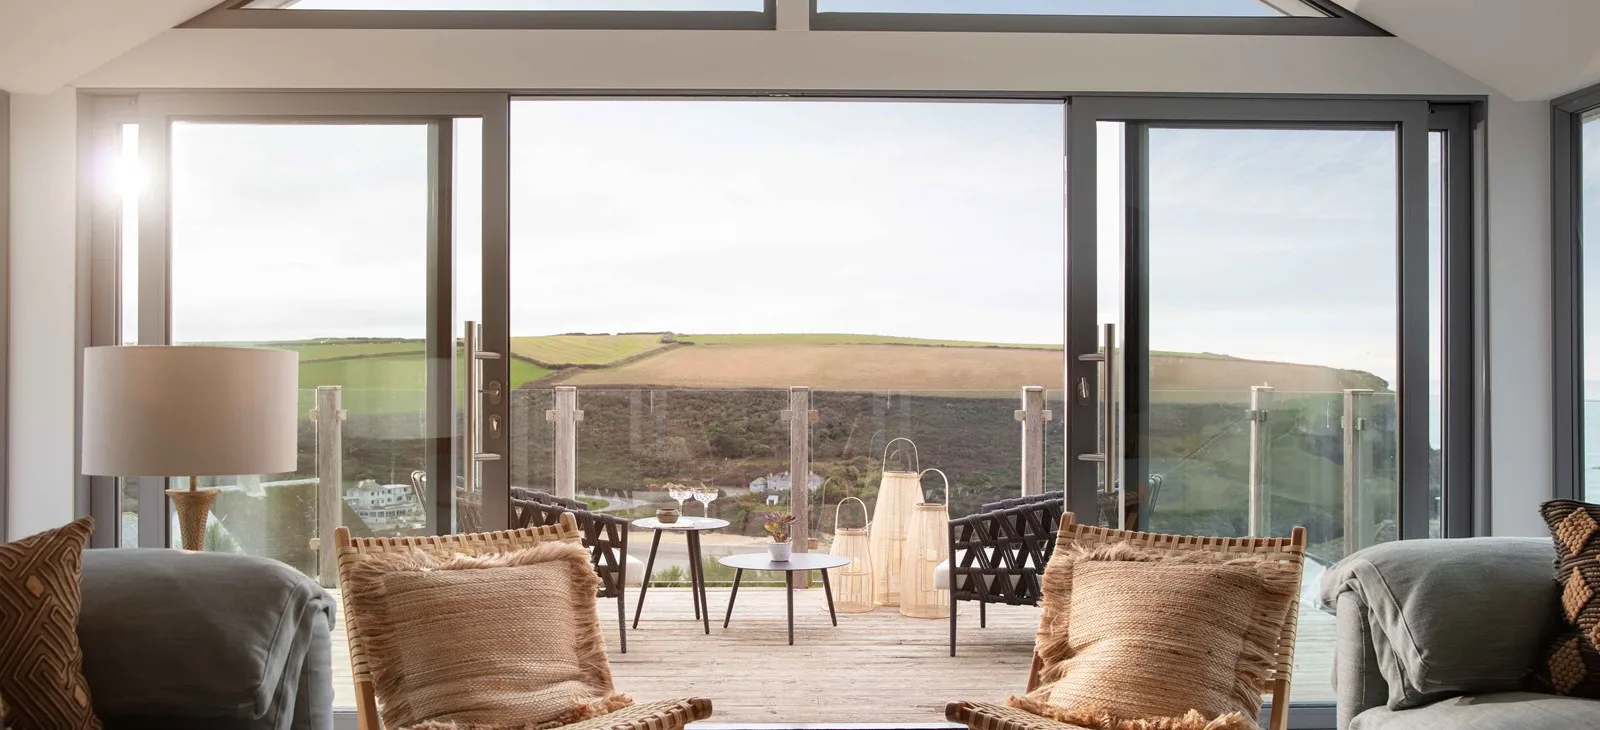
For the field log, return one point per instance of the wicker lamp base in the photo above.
(193, 506)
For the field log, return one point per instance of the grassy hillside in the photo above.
(556, 351)
(845, 339)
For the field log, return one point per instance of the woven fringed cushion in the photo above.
(1134, 639)
(497, 642)
(1570, 663)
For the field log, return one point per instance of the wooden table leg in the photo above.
(827, 588)
(788, 582)
(645, 586)
(737, 576)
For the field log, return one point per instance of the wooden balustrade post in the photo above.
(328, 418)
(1033, 416)
(566, 417)
(800, 417)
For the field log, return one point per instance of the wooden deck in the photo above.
(872, 667)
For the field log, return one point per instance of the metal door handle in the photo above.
(473, 437)
(1108, 407)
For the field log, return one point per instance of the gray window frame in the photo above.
(234, 14)
(1566, 279)
(1340, 22)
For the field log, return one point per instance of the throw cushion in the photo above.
(41, 666)
(1570, 664)
(440, 659)
(1142, 639)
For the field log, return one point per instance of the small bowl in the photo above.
(667, 515)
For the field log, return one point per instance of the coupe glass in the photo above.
(679, 493)
(705, 497)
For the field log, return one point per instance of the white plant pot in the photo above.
(780, 551)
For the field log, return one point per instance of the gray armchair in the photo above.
(1440, 634)
(181, 641)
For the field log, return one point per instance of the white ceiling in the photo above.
(46, 44)
(1526, 49)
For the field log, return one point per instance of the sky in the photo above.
(1591, 264)
(1246, 8)
(940, 220)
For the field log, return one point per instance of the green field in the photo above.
(560, 350)
(392, 384)
(314, 350)
(845, 339)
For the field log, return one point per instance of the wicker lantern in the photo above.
(927, 544)
(855, 579)
(898, 495)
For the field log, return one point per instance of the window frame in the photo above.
(234, 14)
(1340, 22)
(1566, 287)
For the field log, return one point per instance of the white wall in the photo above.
(43, 310)
(42, 301)
(1520, 333)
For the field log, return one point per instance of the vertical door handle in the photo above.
(473, 436)
(1107, 358)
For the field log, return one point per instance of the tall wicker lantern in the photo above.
(898, 495)
(927, 545)
(855, 579)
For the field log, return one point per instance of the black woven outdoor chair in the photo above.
(998, 556)
(605, 536)
(534, 495)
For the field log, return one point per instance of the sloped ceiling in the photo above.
(1526, 49)
(46, 44)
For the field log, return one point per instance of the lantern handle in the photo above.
(840, 508)
(916, 457)
(946, 485)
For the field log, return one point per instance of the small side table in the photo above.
(797, 563)
(691, 527)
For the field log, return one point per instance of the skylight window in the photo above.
(514, 5)
(1135, 8)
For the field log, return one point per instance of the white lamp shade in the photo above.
(189, 411)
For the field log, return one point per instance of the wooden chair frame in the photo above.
(352, 550)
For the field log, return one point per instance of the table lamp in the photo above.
(160, 411)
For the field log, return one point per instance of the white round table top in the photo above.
(684, 524)
(797, 561)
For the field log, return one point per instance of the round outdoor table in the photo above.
(691, 527)
(797, 563)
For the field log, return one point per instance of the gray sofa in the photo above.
(177, 640)
(1440, 635)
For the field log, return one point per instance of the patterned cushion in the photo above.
(41, 666)
(1121, 624)
(1570, 664)
(440, 660)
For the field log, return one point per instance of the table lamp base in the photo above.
(193, 507)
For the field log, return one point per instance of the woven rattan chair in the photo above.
(1290, 551)
(998, 555)
(664, 715)
(605, 535)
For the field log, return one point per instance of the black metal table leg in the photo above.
(827, 588)
(788, 581)
(648, 565)
(694, 573)
(737, 576)
(705, 605)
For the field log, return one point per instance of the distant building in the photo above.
(386, 506)
(781, 483)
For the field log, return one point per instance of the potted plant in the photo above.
(777, 528)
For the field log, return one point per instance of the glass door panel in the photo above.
(315, 238)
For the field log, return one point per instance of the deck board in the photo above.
(872, 667)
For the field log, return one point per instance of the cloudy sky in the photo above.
(939, 220)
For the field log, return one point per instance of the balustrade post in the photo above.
(328, 418)
(800, 417)
(1260, 406)
(566, 417)
(1357, 404)
(1033, 416)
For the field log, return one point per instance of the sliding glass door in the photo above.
(1239, 276)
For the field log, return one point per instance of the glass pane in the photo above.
(476, 5)
(130, 183)
(683, 264)
(1188, 8)
(1271, 316)
(1436, 234)
(1590, 160)
(312, 237)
